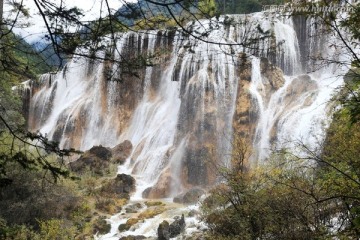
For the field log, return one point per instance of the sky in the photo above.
(36, 29)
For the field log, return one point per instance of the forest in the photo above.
(45, 194)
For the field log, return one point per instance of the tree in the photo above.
(244, 6)
(315, 196)
(207, 7)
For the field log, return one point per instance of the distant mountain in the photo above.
(131, 12)
(33, 59)
(47, 53)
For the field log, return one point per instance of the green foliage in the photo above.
(207, 7)
(19, 59)
(33, 207)
(352, 22)
(157, 22)
(244, 6)
(32, 195)
(349, 97)
(55, 229)
(101, 226)
(250, 206)
(312, 197)
(19, 62)
(16, 232)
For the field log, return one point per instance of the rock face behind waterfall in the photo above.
(183, 113)
(98, 158)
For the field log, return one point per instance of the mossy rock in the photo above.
(190, 197)
(134, 208)
(96, 160)
(129, 223)
(110, 205)
(101, 152)
(132, 221)
(151, 212)
(121, 152)
(163, 231)
(153, 203)
(101, 226)
(119, 187)
(123, 227)
(139, 237)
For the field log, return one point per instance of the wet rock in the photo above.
(121, 186)
(101, 152)
(196, 236)
(196, 165)
(245, 115)
(121, 152)
(101, 226)
(177, 227)
(123, 227)
(129, 223)
(153, 203)
(131, 237)
(146, 192)
(190, 197)
(151, 212)
(193, 213)
(300, 85)
(162, 188)
(163, 231)
(273, 74)
(133, 208)
(96, 159)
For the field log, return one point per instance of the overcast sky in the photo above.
(36, 30)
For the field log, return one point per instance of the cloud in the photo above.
(36, 29)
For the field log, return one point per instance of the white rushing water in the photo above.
(179, 127)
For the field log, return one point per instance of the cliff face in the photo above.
(247, 115)
(183, 112)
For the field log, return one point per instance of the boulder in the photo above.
(131, 237)
(177, 227)
(193, 213)
(162, 188)
(190, 197)
(146, 192)
(163, 231)
(133, 208)
(121, 186)
(273, 74)
(129, 223)
(196, 163)
(121, 152)
(101, 152)
(101, 226)
(96, 159)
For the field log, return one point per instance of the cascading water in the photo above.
(298, 111)
(181, 114)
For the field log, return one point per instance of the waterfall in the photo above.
(298, 112)
(182, 112)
